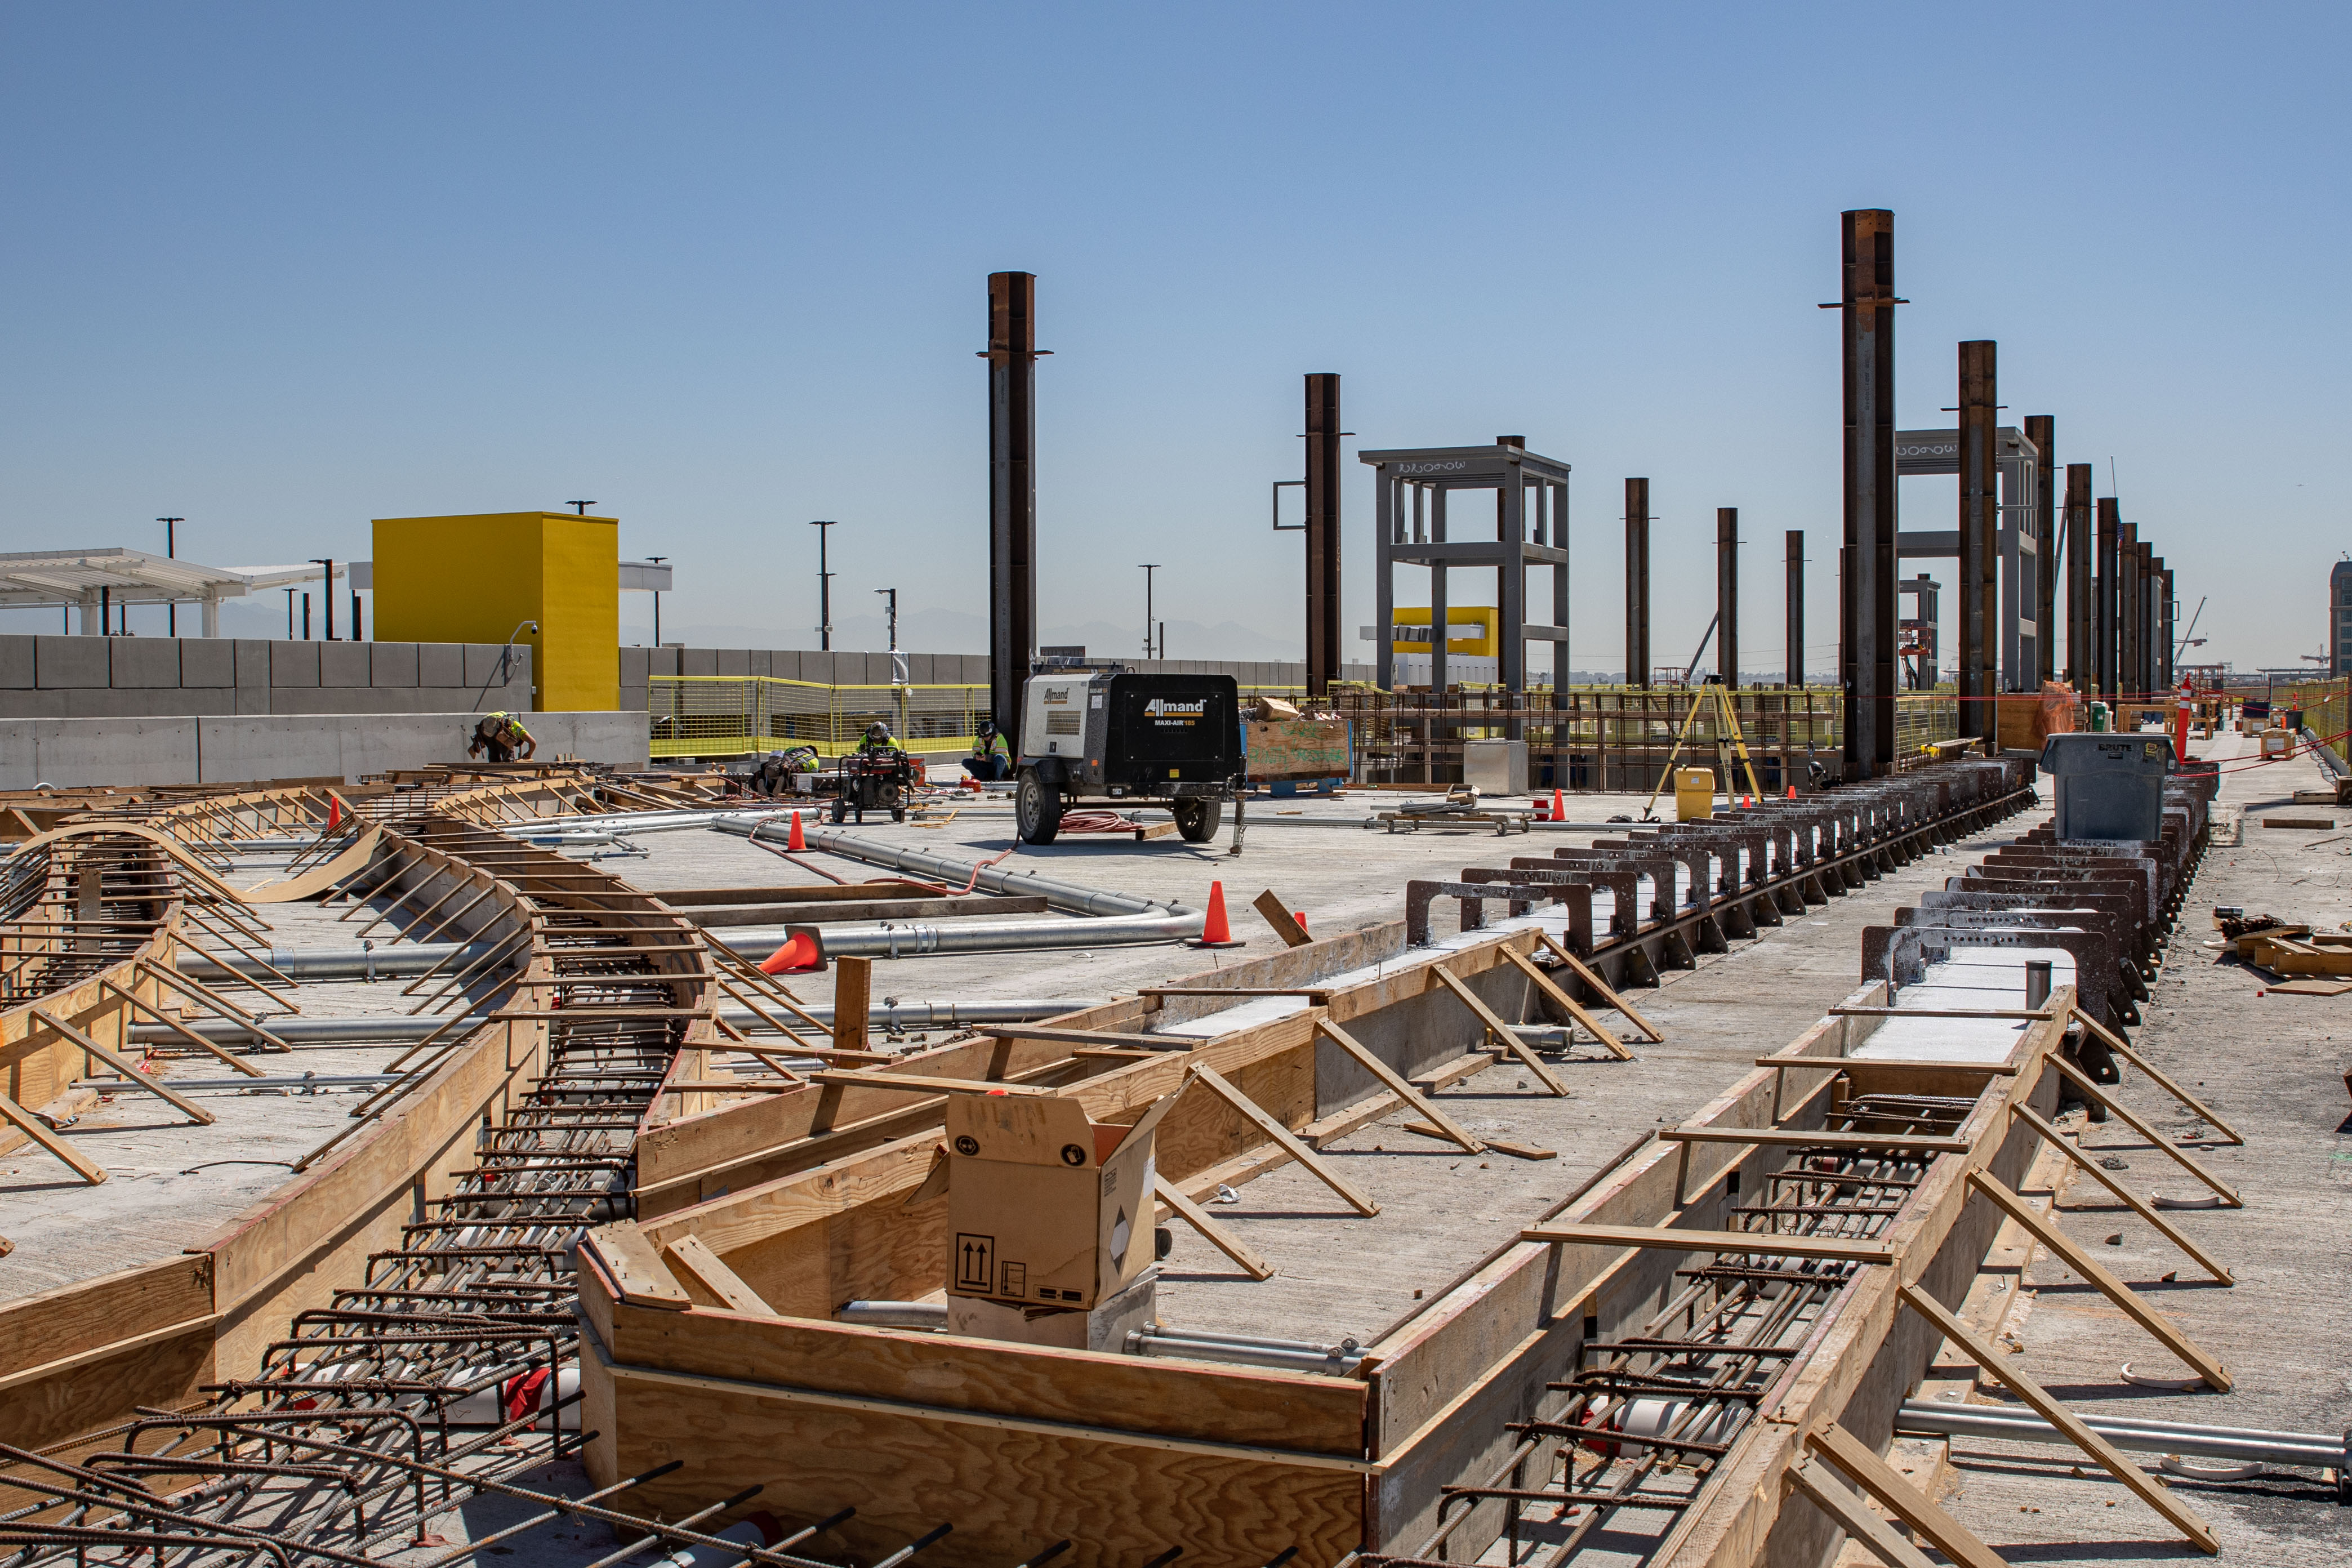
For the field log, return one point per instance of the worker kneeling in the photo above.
(503, 736)
(989, 761)
(774, 776)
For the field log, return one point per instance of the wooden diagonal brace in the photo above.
(2109, 1457)
(1902, 1499)
(1223, 1240)
(1848, 1512)
(2048, 1234)
(1266, 1123)
(1286, 925)
(2082, 1080)
(33, 1127)
(177, 1028)
(165, 975)
(126, 1067)
(2117, 1044)
(2129, 1199)
(1566, 1004)
(1397, 1085)
(1504, 1034)
(1603, 989)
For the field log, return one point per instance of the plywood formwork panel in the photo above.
(88, 1353)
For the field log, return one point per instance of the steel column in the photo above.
(1796, 629)
(2081, 621)
(1637, 582)
(2167, 608)
(2106, 640)
(1727, 594)
(2131, 606)
(1867, 586)
(1012, 495)
(1323, 641)
(1979, 535)
(2042, 429)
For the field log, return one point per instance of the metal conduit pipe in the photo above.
(2242, 1445)
(896, 1314)
(1332, 1360)
(393, 960)
(912, 940)
(891, 1017)
(1067, 897)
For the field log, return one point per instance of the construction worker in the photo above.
(989, 759)
(501, 734)
(774, 776)
(879, 743)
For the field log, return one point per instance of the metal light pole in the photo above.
(1149, 568)
(171, 552)
(327, 590)
(897, 670)
(290, 615)
(824, 592)
(656, 560)
(580, 506)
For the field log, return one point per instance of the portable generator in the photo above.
(1110, 736)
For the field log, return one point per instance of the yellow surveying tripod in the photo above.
(1729, 744)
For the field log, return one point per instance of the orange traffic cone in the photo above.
(1300, 916)
(334, 811)
(1214, 929)
(799, 953)
(1793, 792)
(1559, 808)
(796, 843)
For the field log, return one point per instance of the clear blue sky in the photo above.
(721, 268)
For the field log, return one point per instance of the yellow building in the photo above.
(1487, 620)
(474, 579)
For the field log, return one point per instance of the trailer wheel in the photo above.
(1036, 810)
(840, 810)
(1197, 821)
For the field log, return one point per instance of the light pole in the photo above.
(1149, 568)
(824, 590)
(327, 590)
(290, 615)
(897, 670)
(656, 560)
(171, 552)
(580, 506)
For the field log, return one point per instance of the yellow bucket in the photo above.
(1694, 794)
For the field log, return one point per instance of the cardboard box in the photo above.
(1046, 1207)
(1297, 748)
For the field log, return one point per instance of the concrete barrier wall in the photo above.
(121, 678)
(245, 749)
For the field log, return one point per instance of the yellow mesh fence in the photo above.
(744, 715)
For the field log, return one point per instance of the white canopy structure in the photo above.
(97, 580)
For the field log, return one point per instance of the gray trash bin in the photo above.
(2109, 785)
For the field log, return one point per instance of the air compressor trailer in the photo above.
(1122, 738)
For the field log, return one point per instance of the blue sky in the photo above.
(723, 270)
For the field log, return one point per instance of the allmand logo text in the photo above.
(1160, 705)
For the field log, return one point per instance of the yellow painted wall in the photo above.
(471, 579)
(1487, 646)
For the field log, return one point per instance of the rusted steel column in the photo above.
(2167, 607)
(2082, 621)
(1637, 582)
(2130, 602)
(1727, 594)
(1867, 584)
(1323, 642)
(1980, 539)
(2042, 429)
(1012, 495)
(1796, 633)
(2108, 634)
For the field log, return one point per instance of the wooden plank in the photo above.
(133, 1077)
(1848, 1513)
(1314, 1163)
(2111, 1459)
(33, 1127)
(1516, 1151)
(1089, 1037)
(629, 1260)
(1566, 1004)
(1224, 1241)
(1603, 989)
(1504, 1034)
(1314, 994)
(1900, 1063)
(1404, 1091)
(907, 1084)
(164, 975)
(2082, 1080)
(1277, 914)
(190, 1036)
(2047, 1233)
(2122, 1047)
(703, 1274)
(1907, 1503)
(852, 996)
(2058, 1140)
(1671, 1239)
(1791, 1138)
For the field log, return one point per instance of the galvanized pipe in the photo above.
(913, 939)
(1327, 1359)
(2242, 1445)
(896, 1314)
(1067, 897)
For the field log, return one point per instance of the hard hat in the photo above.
(878, 728)
(776, 756)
